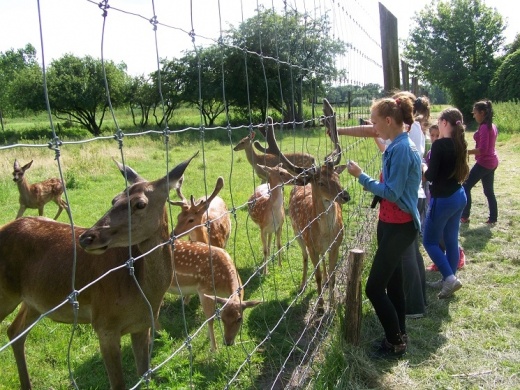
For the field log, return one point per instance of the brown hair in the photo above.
(400, 109)
(486, 107)
(454, 118)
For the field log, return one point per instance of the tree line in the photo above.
(269, 62)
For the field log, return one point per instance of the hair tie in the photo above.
(458, 123)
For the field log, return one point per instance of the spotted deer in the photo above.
(266, 208)
(206, 220)
(37, 195)
(270, 160)
(315, 208)
(36, 271)
(210, 273)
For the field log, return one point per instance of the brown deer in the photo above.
(266, 208)
(270, 160)
(207, 220)
(210, 273)
(36, 270)
(35, 196)
(315, 208)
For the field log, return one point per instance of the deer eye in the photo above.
(239, 320)
(141, 204)
(191, 220)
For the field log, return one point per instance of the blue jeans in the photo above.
(477, 173)
(443, 221)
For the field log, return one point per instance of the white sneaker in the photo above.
(449, 287)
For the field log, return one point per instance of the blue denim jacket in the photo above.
(401, 176)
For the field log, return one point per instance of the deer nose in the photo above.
(345, 196)
(85, 240)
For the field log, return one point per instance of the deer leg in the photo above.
(208, 306)
(315, 258)
(279, 244)
(305, 257)
(20, 211)
(60, 208)
(333, 258)
(141, 349)
(110, 346)
(25, 317)
(265, 245)
(40, 211)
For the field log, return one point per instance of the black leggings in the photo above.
(384, 286)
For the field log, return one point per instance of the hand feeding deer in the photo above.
(266, 208)
(270, 160)
(207, 220)
(315, 209)
(35, 196)
(36, 264)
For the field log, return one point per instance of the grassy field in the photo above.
(469, 342)
(270, 330)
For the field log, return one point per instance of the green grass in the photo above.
(467, 342)
(93, 180)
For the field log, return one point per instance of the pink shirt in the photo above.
(485, 139)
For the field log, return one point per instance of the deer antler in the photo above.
(273, 148)
(205, 203)
(329, 120)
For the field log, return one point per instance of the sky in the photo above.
(77, 26)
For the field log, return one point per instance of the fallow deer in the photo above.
(35, 196)
(210, 273)
(207, 220)
(36, 270)
(266, 208)
(315, 209)
(270, 160)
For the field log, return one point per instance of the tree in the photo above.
(77, 89)
(506, 82)
(453, 45)
(12, 62)
(142, 95)
(200, 73)
(277, 61)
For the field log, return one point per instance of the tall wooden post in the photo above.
(405, 74)
(353, 313)
(389, 49)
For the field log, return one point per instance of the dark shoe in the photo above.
(436, 285)
(448, 288)
(388, 351)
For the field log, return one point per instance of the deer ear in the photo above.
(129, 173)
(16, 164)
(177, 173)
(339, 168)
(27, 166)
(248, 304)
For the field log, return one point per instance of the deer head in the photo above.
(192, 214)
(143, 201)
(325, 177)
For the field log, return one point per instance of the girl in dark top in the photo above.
(446, 171)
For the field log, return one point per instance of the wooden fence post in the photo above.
(389, 49)
(353, 314)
